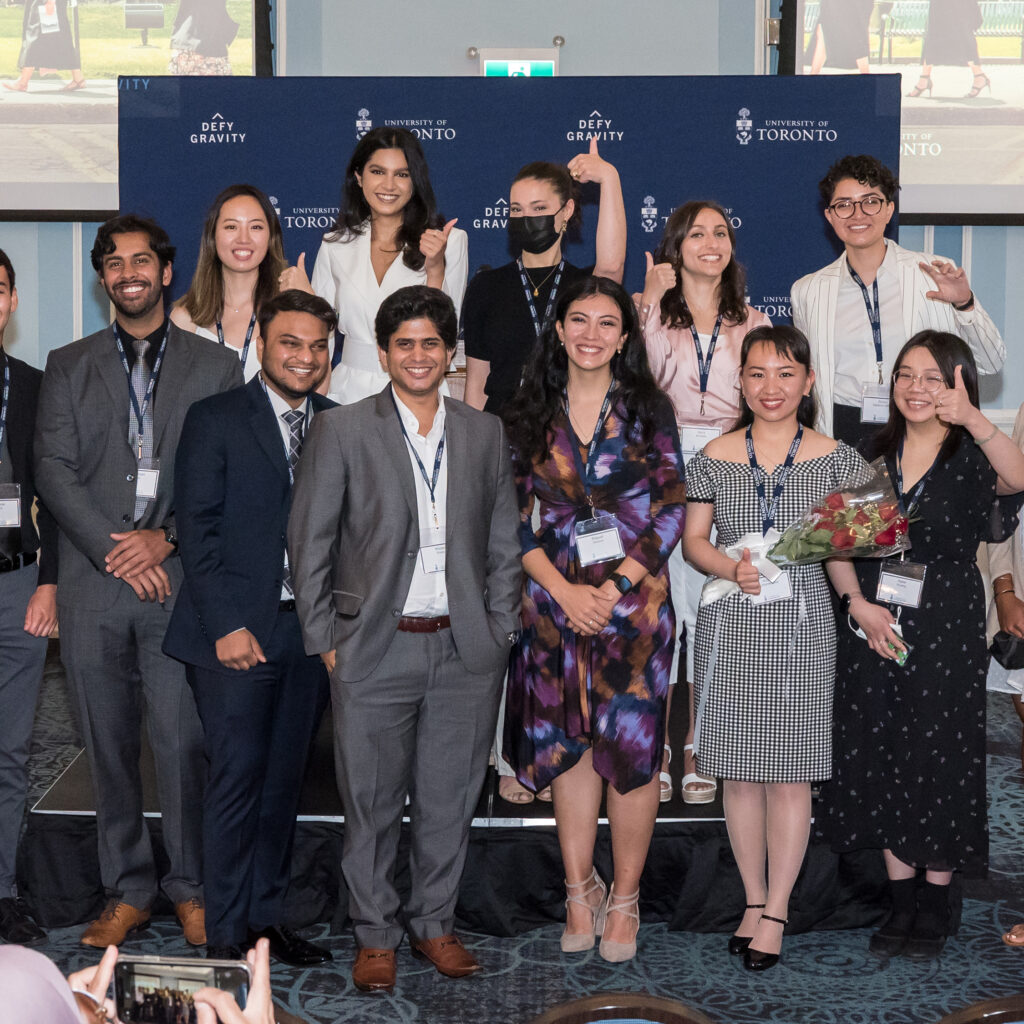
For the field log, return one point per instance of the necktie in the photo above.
(140, 381)
(295, 418)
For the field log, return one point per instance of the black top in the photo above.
(497, 325)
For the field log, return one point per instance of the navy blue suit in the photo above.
(232, 501)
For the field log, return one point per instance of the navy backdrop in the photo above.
(758, 145)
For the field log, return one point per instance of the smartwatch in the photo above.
(623, 584)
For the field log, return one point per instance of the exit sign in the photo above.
(535, 62)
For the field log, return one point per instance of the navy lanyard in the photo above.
(582, 469)
(430, 481)
(7, 393)
(538, 325)
(704, 364)
(140, 411)
(874, 314)
(767, 510)
(248, 336)
(907, 506)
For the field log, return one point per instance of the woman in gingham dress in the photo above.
(765, 654)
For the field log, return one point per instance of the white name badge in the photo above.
(692, 438)
(10, 505)
(148, 478)
(901, 583)
(778, 589)
(48, 20)
(431, 551)
(598, 540)
(874, 403)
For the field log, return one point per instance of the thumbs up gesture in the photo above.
(590, 166)
(433, 243)
(953, 406)
(747, 577)
(295, 277)
(660, 278)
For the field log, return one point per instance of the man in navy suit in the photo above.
(28, 607)
(260, 696)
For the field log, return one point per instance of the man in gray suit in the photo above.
(111, 408)
(406, 571)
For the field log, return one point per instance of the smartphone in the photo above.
(160, 988)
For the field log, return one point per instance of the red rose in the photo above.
(835, 501)
(844, 538)
(888, 510)
(887, 537)
(861, 517)
(902, 525)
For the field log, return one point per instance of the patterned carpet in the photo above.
(825, 977)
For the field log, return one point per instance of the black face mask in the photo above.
(533, 234)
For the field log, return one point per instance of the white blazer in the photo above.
(814, 313)
(343, 275)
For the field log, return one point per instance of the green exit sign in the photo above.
(519, 68)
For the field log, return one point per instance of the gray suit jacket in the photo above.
(85, 467)
(353, 535)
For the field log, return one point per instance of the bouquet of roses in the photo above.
(862, 519)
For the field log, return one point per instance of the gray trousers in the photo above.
(115, 667)
(420, 724)
(21, 672)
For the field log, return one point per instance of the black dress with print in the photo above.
(909, 743)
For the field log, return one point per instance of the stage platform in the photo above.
(513, 877)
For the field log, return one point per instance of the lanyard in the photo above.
(140, 411)
(582, 469)
(905, 506)
(874, 314)
(248, 335)
(538, 325)
(430, 481)
(7, 393)
(704, 363)
(768, 510)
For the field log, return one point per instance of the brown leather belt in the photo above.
(412, 624)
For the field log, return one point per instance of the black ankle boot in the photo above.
(892, 938)
(931, 924)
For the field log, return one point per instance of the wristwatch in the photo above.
(844, 603)
(623, 584)
(170, 536)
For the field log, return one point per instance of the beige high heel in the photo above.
(578, 893)
(629, 906)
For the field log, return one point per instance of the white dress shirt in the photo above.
(428, 593)
(856, 363)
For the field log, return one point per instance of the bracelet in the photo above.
(99, 1010)
(967, 305)
(985, 440)
(1002, 593)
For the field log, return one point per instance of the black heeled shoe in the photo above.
(738, 943)
(756, 959)
(924, 84)
(976, 89)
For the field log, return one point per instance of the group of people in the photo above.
(244, 532)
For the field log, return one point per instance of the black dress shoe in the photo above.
(16, 924)
(229, 952)
(290, 948)
(757, 959)
(738, 943)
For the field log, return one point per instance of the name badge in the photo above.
(598, 540)
(10, 505)
(779, 589)
(432, 551)
(901, 583)
(874, 403)
(148, 478)
(693, 438)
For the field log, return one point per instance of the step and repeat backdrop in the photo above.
(757, 145)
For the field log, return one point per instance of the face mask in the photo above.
(533, 234)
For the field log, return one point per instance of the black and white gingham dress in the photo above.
(766, 715)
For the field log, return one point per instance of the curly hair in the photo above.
(868, 170)
(732, 304)
(531, 411)
(129, 224)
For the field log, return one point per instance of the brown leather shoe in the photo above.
(374, 970)
(448, 955)
(192, 916)
(112, 927)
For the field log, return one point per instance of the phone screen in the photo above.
(160, 989)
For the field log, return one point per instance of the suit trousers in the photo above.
(115, 667)
(258, 725)
(421, 724)
(21, 672)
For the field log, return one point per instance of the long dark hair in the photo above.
(733, 289)
(420, 212)
(204, 300)
(949, 352)
(531, 411)
(789, 343)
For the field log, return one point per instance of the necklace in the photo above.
(537, 287)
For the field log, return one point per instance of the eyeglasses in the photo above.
(870, 206)
(931, 382)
